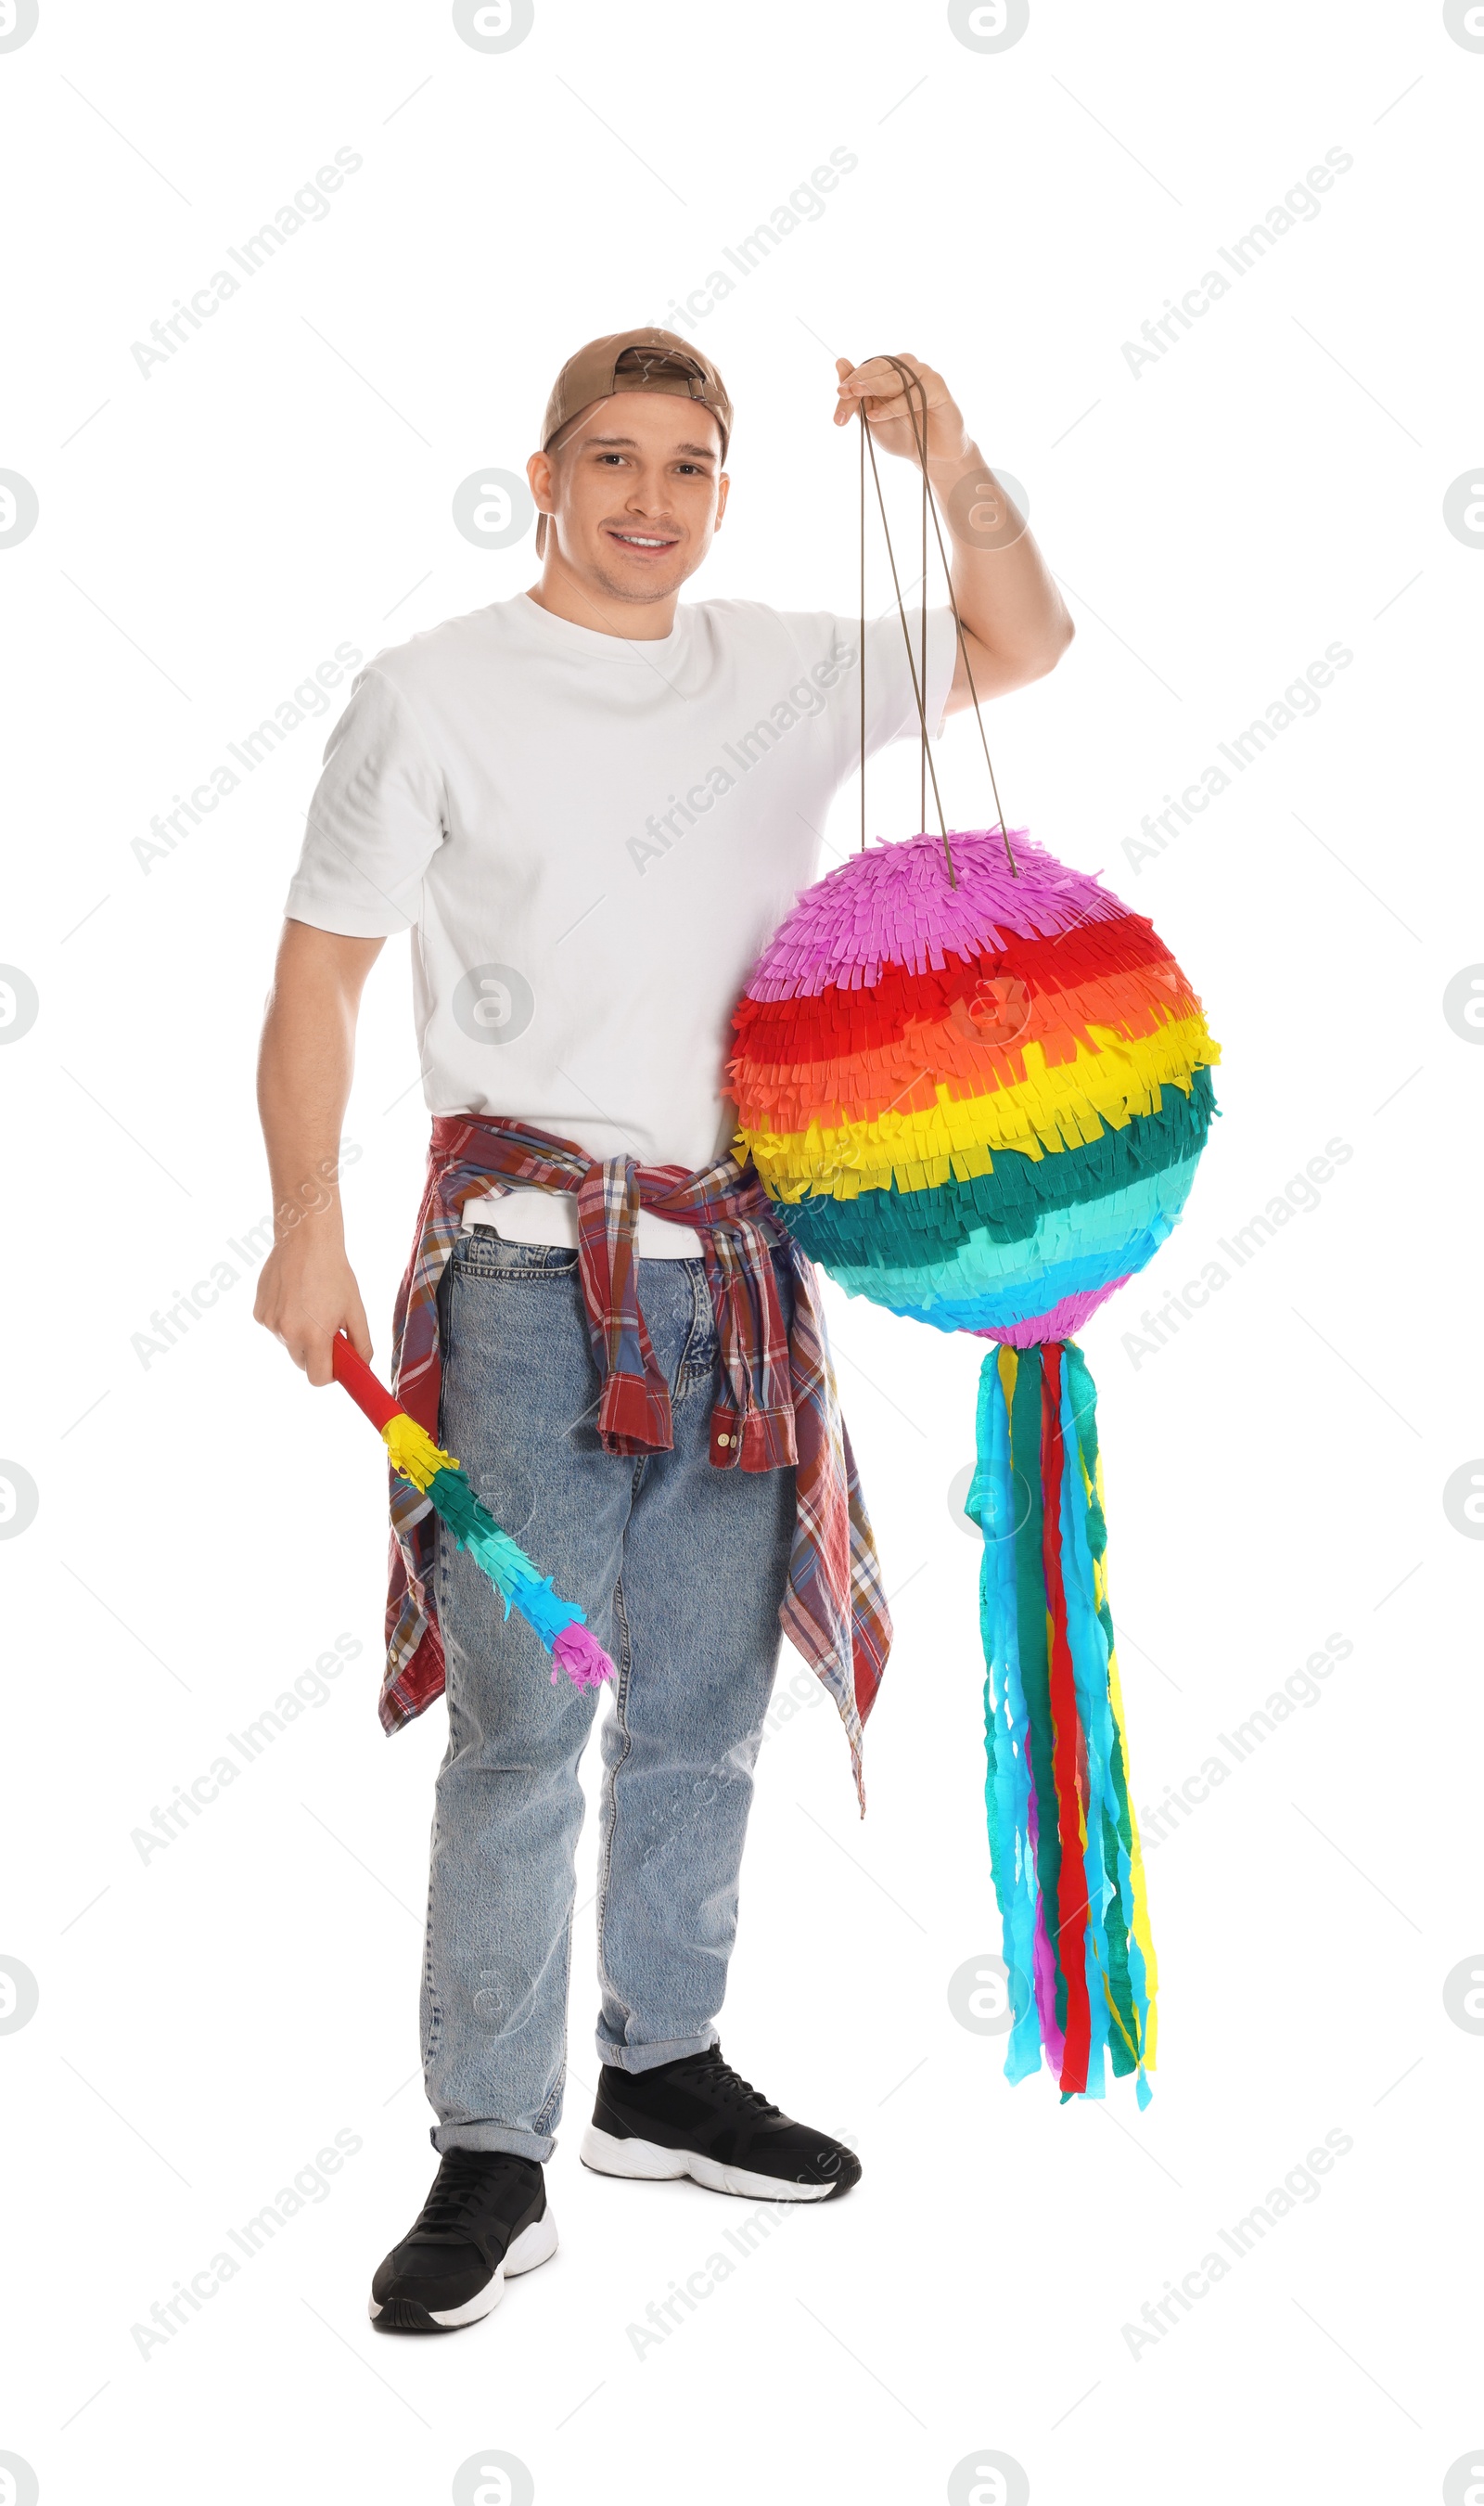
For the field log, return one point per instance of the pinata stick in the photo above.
(560, 1625)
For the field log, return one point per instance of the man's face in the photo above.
(638, 492)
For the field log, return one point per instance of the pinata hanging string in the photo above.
(922, 586)
(930, 505)
(915, 394)
(906, 631)
(861, 648)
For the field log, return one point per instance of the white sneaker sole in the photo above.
(646, 2161)
(535, 2244)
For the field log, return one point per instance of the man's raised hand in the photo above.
(890, 416)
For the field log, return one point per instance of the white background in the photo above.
(1275, 483)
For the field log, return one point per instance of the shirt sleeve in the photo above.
(374, 822)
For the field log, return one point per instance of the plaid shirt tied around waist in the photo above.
(776, 1406)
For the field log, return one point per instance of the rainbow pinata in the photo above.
(980, 1105)
(980, 1100)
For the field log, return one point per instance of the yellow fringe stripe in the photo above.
(1046, 1112)
(413, 1451)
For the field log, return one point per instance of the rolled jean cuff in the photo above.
(648, 2057)
(493, 2136)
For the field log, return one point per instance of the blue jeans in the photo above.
(680, 1568)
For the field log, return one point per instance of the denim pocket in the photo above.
(482, 1254)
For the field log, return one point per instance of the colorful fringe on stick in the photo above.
(560, 1625)
(1064, 1842)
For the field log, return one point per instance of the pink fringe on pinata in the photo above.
(578, 1652)
(1059, 1321)
(892, 905)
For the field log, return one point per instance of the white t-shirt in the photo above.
(592, 840)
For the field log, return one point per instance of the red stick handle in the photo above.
(365, 1389)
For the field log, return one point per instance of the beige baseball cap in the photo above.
(648, 360)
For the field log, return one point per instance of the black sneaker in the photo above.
(696, 2117)
(485, 2217)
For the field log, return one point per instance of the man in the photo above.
(592, 805)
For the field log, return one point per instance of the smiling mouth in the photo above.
(647, 540)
